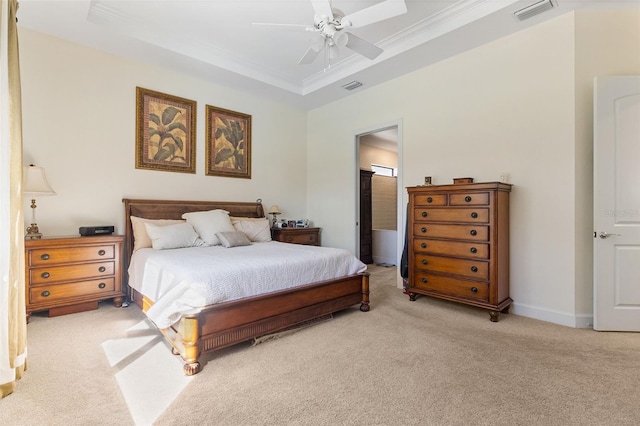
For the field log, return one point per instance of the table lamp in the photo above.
(34, 184)
(274, 211)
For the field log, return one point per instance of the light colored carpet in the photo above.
(427, 362)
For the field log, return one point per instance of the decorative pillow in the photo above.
(173, 236)
(233, 239)
(207, 224)
(140, 237)
(256, 229)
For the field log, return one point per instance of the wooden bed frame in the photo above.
(225, 324)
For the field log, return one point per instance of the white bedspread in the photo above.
(183, 280)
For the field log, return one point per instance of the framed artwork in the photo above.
(228, 143)
(165, 132)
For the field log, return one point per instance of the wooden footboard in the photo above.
(225, 324)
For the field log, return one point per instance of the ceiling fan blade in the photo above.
(309, 56)
(363, 47)
(322, 8)
(378, 12)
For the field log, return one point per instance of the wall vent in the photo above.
(534, 9)
(352, 85)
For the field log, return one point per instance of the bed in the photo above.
(218, 325)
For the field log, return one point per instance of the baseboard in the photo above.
(384, 260)
(556, 317)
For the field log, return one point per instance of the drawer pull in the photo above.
(474, 289)
(424, 214)
(424, 261)
(102, 285)
(289, 239)
(474, 269)
(473, 250)
(423, 229)
(423, 245)
(474, 215)
(429, 200)
(102, 269)
(101, 252)
(473, 232)
(45, 293)
(45, 275)
(45, 256)
(424, 280)
(467, 199)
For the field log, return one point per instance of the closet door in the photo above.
(366, 218)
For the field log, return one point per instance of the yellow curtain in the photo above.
(13, 325)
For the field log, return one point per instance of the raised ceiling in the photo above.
(218, 40)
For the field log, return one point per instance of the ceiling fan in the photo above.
(329, 25)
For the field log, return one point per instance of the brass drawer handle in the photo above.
(424, 261)
(424, 280)
(45, 256)
(473, 250)
(467, 199)
(474, 289)
(474, 215)
(102, 269)
(429, 199)
(423, 245)
(102, 285)
(101, 252)
(424, 214)
(474, 269)
(45, 275)
(473, 232)
(423, 229)
(289, 239)
(45, 293)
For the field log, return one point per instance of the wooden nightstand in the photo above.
(306, 236)
(65, 275)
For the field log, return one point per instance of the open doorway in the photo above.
(379, 200)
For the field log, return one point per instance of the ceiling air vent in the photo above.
(534, 9)
(352, 85)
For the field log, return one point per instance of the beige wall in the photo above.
(511, 107)
(79, 124)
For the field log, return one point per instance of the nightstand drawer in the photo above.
(301, 238)
(70, 272)
(305, 236)
(55, 292)
(37, 257)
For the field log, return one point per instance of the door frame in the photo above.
(401, 199)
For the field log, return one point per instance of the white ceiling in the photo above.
(217, 40)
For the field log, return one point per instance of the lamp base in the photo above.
(33, 233)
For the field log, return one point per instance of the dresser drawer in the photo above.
(430, 200)
(53, 292)
(468, 268)
(469, 199)
(451, 248)
(451, 286)
(46, 256)
(70, 272)
(452, 215)
(456, 232)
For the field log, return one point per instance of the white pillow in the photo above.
(207, 224)
(233, 239)
(173, 236)
(141, 238)
(256, 229)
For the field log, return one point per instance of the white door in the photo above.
(616, 244)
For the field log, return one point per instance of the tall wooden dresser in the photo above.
(71, 274)
(459, 244)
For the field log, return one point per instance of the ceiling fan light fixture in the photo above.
(534, 9)
(351, 85)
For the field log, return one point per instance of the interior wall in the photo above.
(79, 110)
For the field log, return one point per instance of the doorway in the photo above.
(380, 235)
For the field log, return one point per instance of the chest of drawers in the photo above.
(71, 274)
(458, 244)
(306, 236)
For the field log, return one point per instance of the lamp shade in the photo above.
(35, 181)
(274, 209)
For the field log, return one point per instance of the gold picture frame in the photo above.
(165, 132)
(228, 143)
